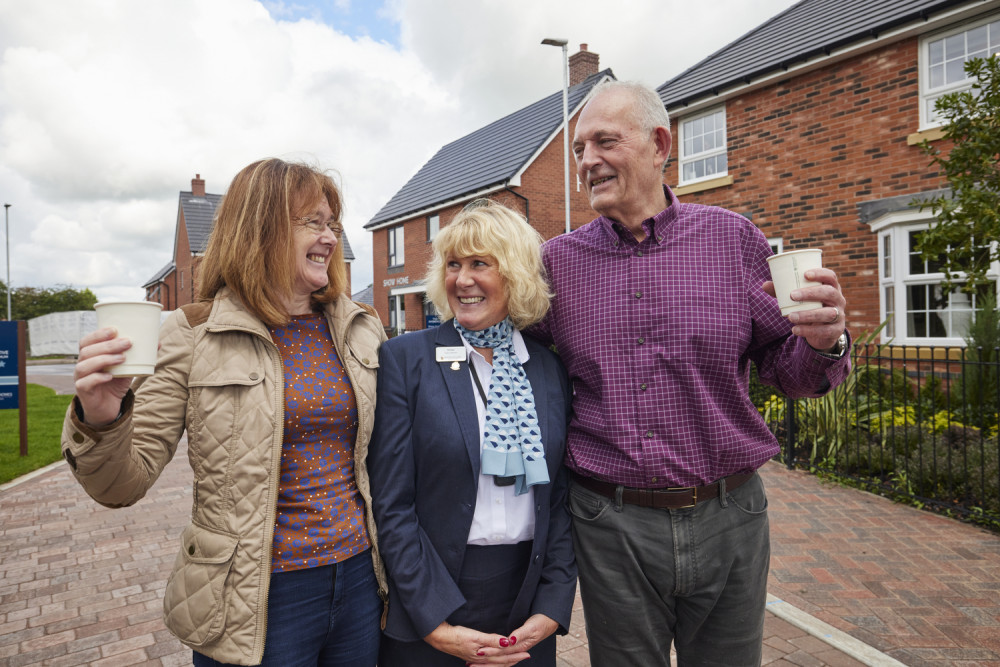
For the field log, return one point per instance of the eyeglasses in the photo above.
(315, 225)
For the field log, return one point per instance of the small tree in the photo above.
(969, 219)
(29, 302)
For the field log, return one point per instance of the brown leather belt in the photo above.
(669, 498)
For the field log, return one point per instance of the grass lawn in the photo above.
(46, 410)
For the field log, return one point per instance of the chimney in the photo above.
(582, 64)
(197, 186)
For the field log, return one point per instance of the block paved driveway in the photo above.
(82, 585)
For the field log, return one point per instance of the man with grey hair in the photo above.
(659, 309)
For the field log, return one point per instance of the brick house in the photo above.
(810, 124)
(174, 284)
(517, 160)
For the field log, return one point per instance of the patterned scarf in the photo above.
(512, 441)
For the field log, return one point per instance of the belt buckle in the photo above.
(694, 495)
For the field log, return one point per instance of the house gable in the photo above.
(487, 159)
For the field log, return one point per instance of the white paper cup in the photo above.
(788, 273)
(139, 321)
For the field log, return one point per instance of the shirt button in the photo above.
(499, 501)
(643, 386)
(641, 340)
(649, 434)
(653, 480)
(638, 295)
(639, 253)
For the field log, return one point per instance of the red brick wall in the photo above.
(806, 151)
(182, 289)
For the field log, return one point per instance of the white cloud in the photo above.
(108, 108)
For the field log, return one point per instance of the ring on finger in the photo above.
(836, 315)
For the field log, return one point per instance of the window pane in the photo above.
(977, 40)
(954, 46)
(698, 144)
(994, 36)
(710, 141)
(887, 256)
(890, 311)
(699, 168)
(722, 163)
(954, 70)
(688, 145)
(937, 76)
(935, 52)
(688, 172)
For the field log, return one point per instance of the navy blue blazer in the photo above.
(423, 462)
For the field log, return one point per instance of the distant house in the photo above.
(809, 125)
(517, 160)
(174, 284)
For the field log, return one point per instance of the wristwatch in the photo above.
(839, 348)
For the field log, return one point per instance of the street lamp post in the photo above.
(563, 43)
(6, 222)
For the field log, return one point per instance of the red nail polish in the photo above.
(504, 643)
(480, 653)
(513, 640)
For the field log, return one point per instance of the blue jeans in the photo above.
(695, 577)
(325, 616)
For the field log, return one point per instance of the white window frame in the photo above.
(689, 153)
(397, 313)
(929, 94)
(895, 280)
(395, 246)
(433, 226)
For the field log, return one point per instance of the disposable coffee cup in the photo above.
(788, 271)
(139, 321)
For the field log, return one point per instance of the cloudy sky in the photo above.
(108, 108)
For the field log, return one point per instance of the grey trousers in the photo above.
(694, 577)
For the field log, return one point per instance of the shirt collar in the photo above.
(655, 227)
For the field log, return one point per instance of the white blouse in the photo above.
(501, 517)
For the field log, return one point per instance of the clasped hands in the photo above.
(481, 648)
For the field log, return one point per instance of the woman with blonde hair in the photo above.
(466, 460)
(272, 376)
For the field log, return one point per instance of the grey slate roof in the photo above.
(807, 29)
(488, 157)
(198, 214)
(365, 296)
(161, 274)
(348, 253)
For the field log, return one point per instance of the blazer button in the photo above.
(77, 438)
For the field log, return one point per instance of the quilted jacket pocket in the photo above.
(194, 601)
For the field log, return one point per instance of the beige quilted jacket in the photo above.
(219, 377)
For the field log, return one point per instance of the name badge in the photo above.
(445, 354)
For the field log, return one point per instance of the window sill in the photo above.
(703, 185)
(933, 134)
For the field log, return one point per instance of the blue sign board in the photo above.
(8, 366)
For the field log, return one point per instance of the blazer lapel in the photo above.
(536, 377)
(461, 392)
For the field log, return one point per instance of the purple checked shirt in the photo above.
(658, 337)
